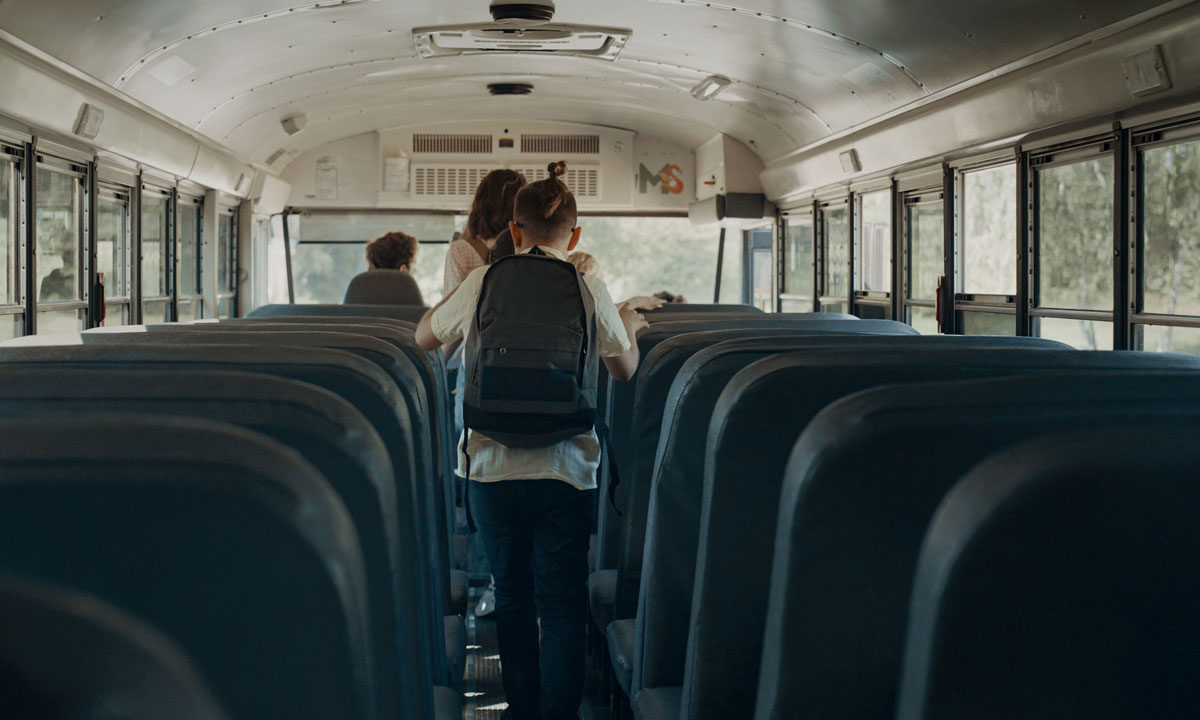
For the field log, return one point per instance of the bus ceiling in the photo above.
(265, 82)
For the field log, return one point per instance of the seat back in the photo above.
(656, 373)
(359, 381)
(66, 655)
(226, 541)
(874, 512)
(329, 432)
(383, 287)
(619, 405)
(434, 435)
(1058, 580)
(411, 313)
(677, 485)
(697, 308)
(757, 419)
(399, 366)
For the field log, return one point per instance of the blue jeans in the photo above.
(536, 536)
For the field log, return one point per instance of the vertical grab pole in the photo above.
(287, 257)
(720, 266)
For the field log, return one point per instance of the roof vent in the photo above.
(549, 39)
(522, 13)
(510, 88)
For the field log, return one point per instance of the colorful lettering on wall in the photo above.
(668, 179)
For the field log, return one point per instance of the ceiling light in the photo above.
(708, 88)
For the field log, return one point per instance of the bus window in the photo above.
(989, 221)
(156, 229)
(1171, 230)
(987, 323)
(112, 252)
(836, 243)
(227, 264)
(798, 276)
(873, 243)
(58, 225)
(759, 255)
(190, 301)
(1074, 251)
(1164, 338)
(10, 323)
(330, 248)
(924, 231)
(1075, 231)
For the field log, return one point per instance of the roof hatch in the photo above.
(578, 40)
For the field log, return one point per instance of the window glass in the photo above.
(873, 261)
(8, 255)
(636, 255)
(1161, 338)
(155, 220)
(187, 310)
(58, 220)
(226, 257)
(798, 259)
(1075, 231)
(1171, 217)
(837, 252)
(11, 326)
(115, 314)
(989, 213)
(795, 306)
(760, 262)
(923, 319)
(926, 257)
(984, 323)
(1079, 334)
(225, 307)
(834, 307)
(158, 311)
(112, 244)
(51, 322)
(189, 249)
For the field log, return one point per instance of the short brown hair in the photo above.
(392, 251)
(492, 207)
(546, 208)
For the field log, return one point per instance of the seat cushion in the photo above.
(620, 651)
(456, 648)
(459, 587)
(447, 705)
(602, 592)
(658, 703)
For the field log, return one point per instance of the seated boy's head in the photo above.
(545, 213)
(394, 251)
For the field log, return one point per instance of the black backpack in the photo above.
(532, 361)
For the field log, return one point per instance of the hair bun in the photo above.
(557, 168)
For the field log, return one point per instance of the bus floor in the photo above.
(483, 694)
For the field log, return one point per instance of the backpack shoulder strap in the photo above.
(480, 248)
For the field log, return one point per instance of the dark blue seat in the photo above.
(358, 380)
(66, 655)
(229, 543)
(1058, 579)
(329, 432)
(674, 518)
(411, 313)
(776, 398)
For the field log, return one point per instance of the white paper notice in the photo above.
(327, 182)
(395, 174)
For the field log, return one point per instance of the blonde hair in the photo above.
(585, 263)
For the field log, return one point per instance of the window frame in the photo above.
(82, 172)
(1074, 152)
(965, 302)
(1138, 141)
(795, 218)
(13, 160)
(823, 207)
(908, 201)
(879, 301)
(183, 200)
(229, 293)
(119, 192)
